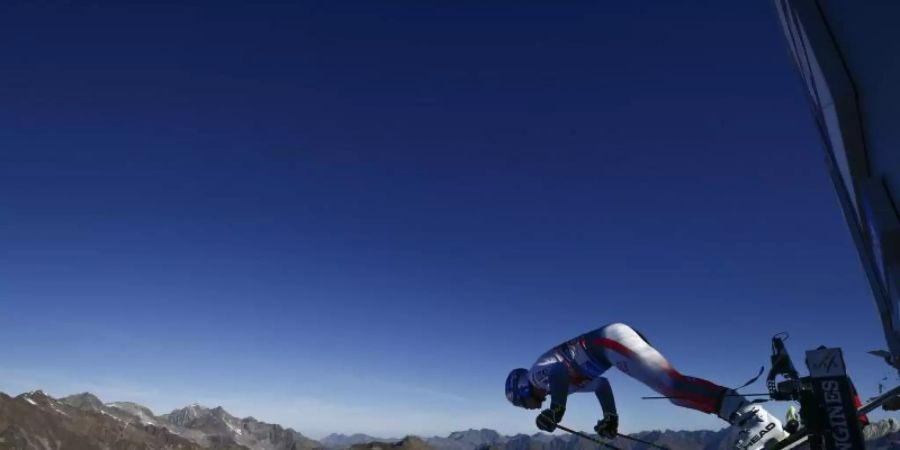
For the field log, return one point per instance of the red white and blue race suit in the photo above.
(577, 366)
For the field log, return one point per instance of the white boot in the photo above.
(758, 428)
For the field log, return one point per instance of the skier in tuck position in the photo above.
(577, 366)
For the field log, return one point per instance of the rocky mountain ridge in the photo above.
(34, 420)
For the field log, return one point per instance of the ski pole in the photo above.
(670, 397)
(590, 438)
(641, 441)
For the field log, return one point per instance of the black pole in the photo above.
(588, 437)
(669, 397)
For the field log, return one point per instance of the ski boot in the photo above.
(757, 428)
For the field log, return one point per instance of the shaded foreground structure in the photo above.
(846, 54)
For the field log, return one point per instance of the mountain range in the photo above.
(36, 421)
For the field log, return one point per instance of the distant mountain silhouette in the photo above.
(36, 421)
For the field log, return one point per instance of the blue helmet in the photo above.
(518, 388)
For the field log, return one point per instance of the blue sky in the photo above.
(353, 218)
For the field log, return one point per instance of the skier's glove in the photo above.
(548, 418)
(609, 426)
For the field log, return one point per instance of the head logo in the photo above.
(758, 436)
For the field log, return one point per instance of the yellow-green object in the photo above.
(793, 414)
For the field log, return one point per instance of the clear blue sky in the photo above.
(359, 218)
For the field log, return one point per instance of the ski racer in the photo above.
(577, 365)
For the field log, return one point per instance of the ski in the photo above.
(588, 437)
